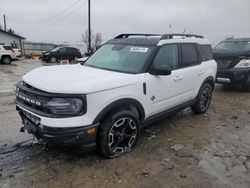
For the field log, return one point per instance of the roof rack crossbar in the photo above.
(128, 35)
(171, 36)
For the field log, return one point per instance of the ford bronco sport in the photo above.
(131, 81)
(233, 58)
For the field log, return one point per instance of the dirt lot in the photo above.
(211, 150)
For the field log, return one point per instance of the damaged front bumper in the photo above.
(234, 76)
(84, 136)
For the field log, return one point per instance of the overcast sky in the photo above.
(214, 19)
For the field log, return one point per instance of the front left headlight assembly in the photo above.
(244, 63)
(66, 106)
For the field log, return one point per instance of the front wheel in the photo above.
(6, 60)
(53, 60)
(204, 99)
(119, 133)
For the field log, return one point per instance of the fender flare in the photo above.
(209, 79)
(119, 103)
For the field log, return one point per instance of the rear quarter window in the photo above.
(205, 52)
(189, 55)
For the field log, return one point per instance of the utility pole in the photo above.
(89, 28)
(4, 20)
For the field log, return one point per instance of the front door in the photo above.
(165, 92)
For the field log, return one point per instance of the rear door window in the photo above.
(189, 55)
(167, 55)
(62, 50)
(205, 52)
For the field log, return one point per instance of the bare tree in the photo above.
(96, 39)
(10, 30)
(85, 38)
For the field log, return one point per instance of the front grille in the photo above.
(31, 98)
(35, 100)
(226, 63)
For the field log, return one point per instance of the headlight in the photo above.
(65, 106)
(243, 63)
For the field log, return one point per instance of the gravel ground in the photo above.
(186, 150)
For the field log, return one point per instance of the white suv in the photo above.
(131, 81)
(7, 54)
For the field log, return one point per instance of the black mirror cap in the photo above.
(161, 70)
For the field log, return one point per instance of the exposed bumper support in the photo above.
(59, 136)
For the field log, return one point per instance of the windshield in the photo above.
(55, 49)
(234, 45)
(120, 57)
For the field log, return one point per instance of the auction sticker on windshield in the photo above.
(139, 49)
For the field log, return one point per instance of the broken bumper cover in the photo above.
(58, 136)
(234, 76)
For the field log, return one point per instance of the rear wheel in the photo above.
(119, 133)
(203, 99)
(6, 59)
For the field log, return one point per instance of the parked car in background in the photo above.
(17, 51)
(81, 60)
(128, 83)
(7, 54)
(61, 53)
(233, 59)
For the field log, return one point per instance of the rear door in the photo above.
(72, 53)
(165, 92)
(193, 72)
(62, 54)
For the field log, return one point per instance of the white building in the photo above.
(11, 39)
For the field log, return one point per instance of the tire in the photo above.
(118, 134)
(203, 99)
(6, 60)
(53, 60)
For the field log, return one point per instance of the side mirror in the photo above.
(161, 70)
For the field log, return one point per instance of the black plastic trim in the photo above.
(163, 115)
(144, 88)
(134, 34)
(120, 103)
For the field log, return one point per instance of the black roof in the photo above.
(145, 39)
(12, 34)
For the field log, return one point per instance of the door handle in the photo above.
(201, 73)
(177, 78)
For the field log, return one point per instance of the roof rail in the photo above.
(128, 35)
(171, 36)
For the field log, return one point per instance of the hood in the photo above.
(222, 53)
(77, 79)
